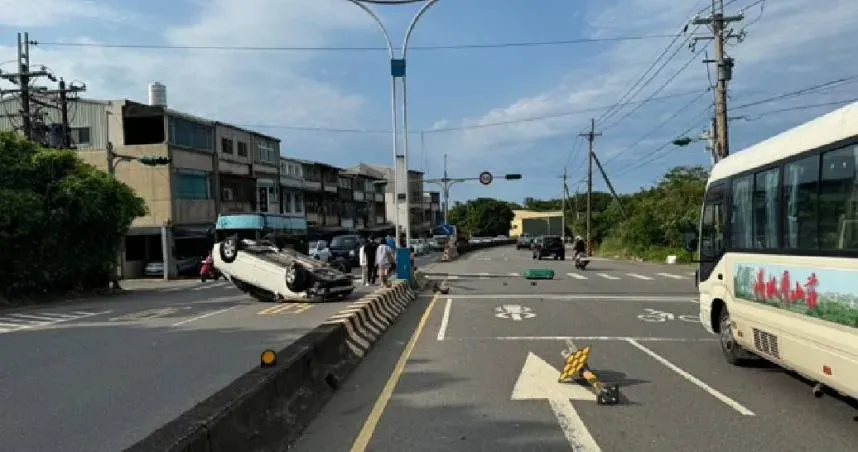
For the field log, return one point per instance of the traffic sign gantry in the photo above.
(486, 178)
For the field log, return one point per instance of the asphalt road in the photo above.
(465, 373)
(100, 375)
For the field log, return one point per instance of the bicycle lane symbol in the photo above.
(656, 316)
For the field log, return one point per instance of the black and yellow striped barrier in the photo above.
(576, 368)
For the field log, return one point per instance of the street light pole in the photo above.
(397, 71)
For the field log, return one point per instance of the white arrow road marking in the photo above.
(538, 381)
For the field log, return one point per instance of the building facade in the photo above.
(292, 187)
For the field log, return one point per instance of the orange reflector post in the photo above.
(268, 358)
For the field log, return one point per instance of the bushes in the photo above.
(61, 220)
(656, 218)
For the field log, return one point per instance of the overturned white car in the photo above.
(268, 273)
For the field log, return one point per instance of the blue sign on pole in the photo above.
(446, 229)
(403, 263)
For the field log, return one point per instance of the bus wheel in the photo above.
(733, 353)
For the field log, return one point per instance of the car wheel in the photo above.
(229, 249)
(296, 277)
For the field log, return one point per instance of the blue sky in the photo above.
(789, 45)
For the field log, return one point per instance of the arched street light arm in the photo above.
(378, 22)
(413, 24)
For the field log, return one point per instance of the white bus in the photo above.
(778, 245)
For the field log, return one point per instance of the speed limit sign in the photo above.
(485, 178)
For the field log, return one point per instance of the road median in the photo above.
(269, 408)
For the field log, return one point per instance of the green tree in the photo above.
(482, 217)
(655, 219)
(61, 220)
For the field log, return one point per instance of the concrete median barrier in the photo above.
(267, 409)
(467, 248)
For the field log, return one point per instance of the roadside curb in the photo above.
(269, 408)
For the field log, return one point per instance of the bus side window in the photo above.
(712, 226)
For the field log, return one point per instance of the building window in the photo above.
(287, 202)
(766, 209)
(299, 203)
(801, 179)
(838, 200)
(741, 221)
(193, 184)
(265, 154)
(190, 134)
(242, 149)
(80, 135)
(226, 145)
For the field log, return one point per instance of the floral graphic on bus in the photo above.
(830, 295)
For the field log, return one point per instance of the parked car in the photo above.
(185, 266)
(419, 246)
(549, 245)
(525, 241)
(268, 273)
(345, 248)
(319, 250)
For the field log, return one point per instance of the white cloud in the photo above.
(783, 50)
(239, 87)
(46, 13)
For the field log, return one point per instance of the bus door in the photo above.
(712, 229)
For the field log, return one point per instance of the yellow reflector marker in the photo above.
(268, 358)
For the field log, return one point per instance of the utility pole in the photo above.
(63, 93)
(718, 21)
(591, 137)
(22, 78)
(563, 207)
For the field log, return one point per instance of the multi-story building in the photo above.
(374, 211)
(415, 192)
(266, 169)
(292, 187)
(213, 168)
(321, 194)
(237, 183)
(432, 208)
(345, 197)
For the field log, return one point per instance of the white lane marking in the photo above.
(445, 319)
(606, 276)
(712, 391)
(591, 338)
(670, 275)
(202, 316)
(635, 275)
(576, 276)
(577, 296)
(452, 277)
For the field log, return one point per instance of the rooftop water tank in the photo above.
(157, 94)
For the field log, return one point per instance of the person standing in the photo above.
(384, 259)
(369, 255)
(362, 261)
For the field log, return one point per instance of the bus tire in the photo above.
(296, 278)
(731, 349)
(229, 249)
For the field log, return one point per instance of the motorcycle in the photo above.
(581, 261)
(208, 270)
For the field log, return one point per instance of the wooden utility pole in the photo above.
(717, 21)
(591, 137)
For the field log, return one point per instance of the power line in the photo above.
(475, 46)
(799, 92)
(457, 128)
(617, 107)
(659, 126)
(660, 88)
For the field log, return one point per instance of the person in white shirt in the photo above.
(364, 269)
(384, 259)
